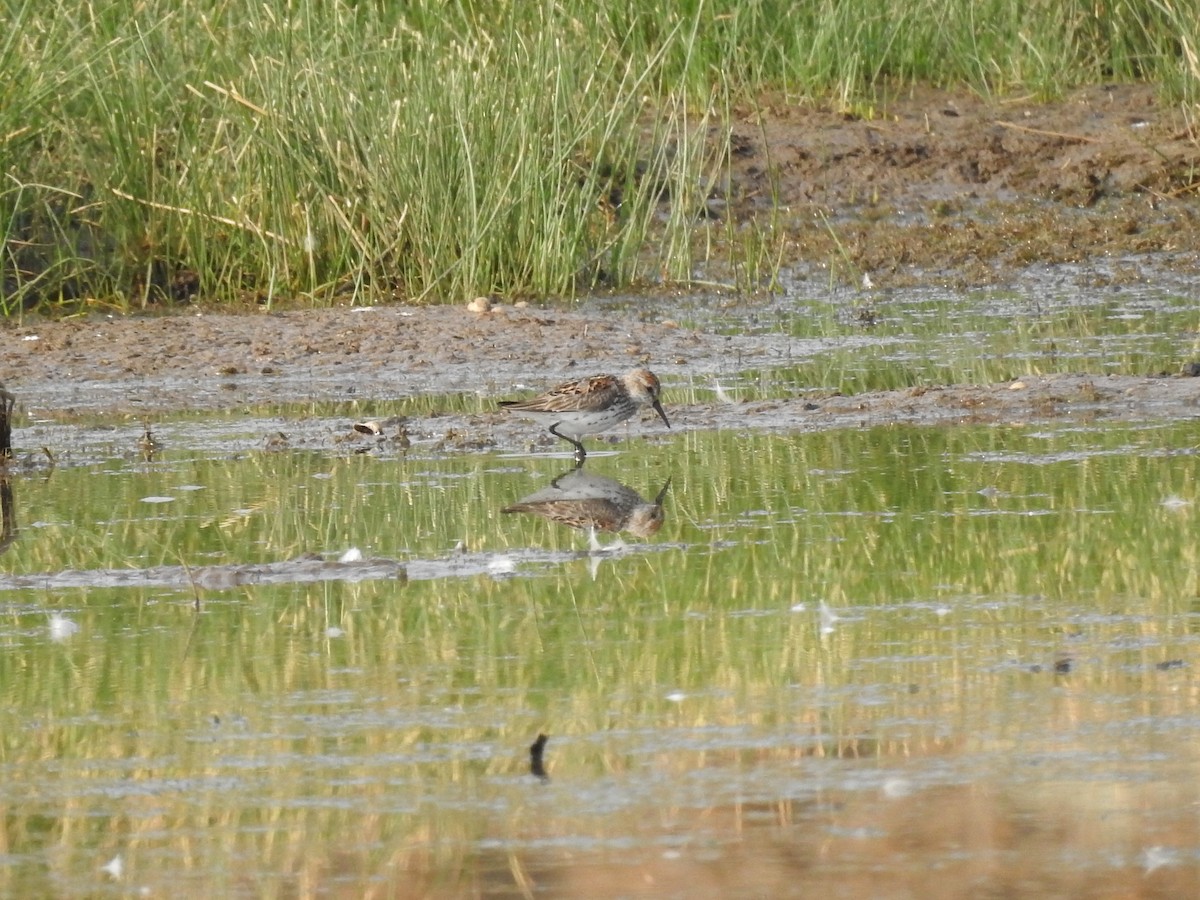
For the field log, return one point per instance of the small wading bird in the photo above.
(591, 405)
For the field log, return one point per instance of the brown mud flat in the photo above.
(938, 189)
(130, 369)
(956, 190)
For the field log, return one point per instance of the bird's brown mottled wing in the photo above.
(593, 392)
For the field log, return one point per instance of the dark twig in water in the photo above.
(8, 517)
(7, 402)
(8, 520)
(536, 769)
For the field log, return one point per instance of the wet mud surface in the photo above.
(220, 362)
(936, 189)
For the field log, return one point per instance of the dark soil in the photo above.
(950, 188)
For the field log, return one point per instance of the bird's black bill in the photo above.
(662, 415)
(663, 493)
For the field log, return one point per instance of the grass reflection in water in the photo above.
(1010, 630)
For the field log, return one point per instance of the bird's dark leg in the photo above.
(580, 453)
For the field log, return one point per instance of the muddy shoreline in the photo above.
(370, 359)
(938, 189)
(116, 375)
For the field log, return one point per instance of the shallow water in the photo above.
(881, 663)
(862, 339)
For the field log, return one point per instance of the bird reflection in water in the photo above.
(594, 503)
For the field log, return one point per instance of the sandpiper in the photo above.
(591, 405)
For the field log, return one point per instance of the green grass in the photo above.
(361, 152)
